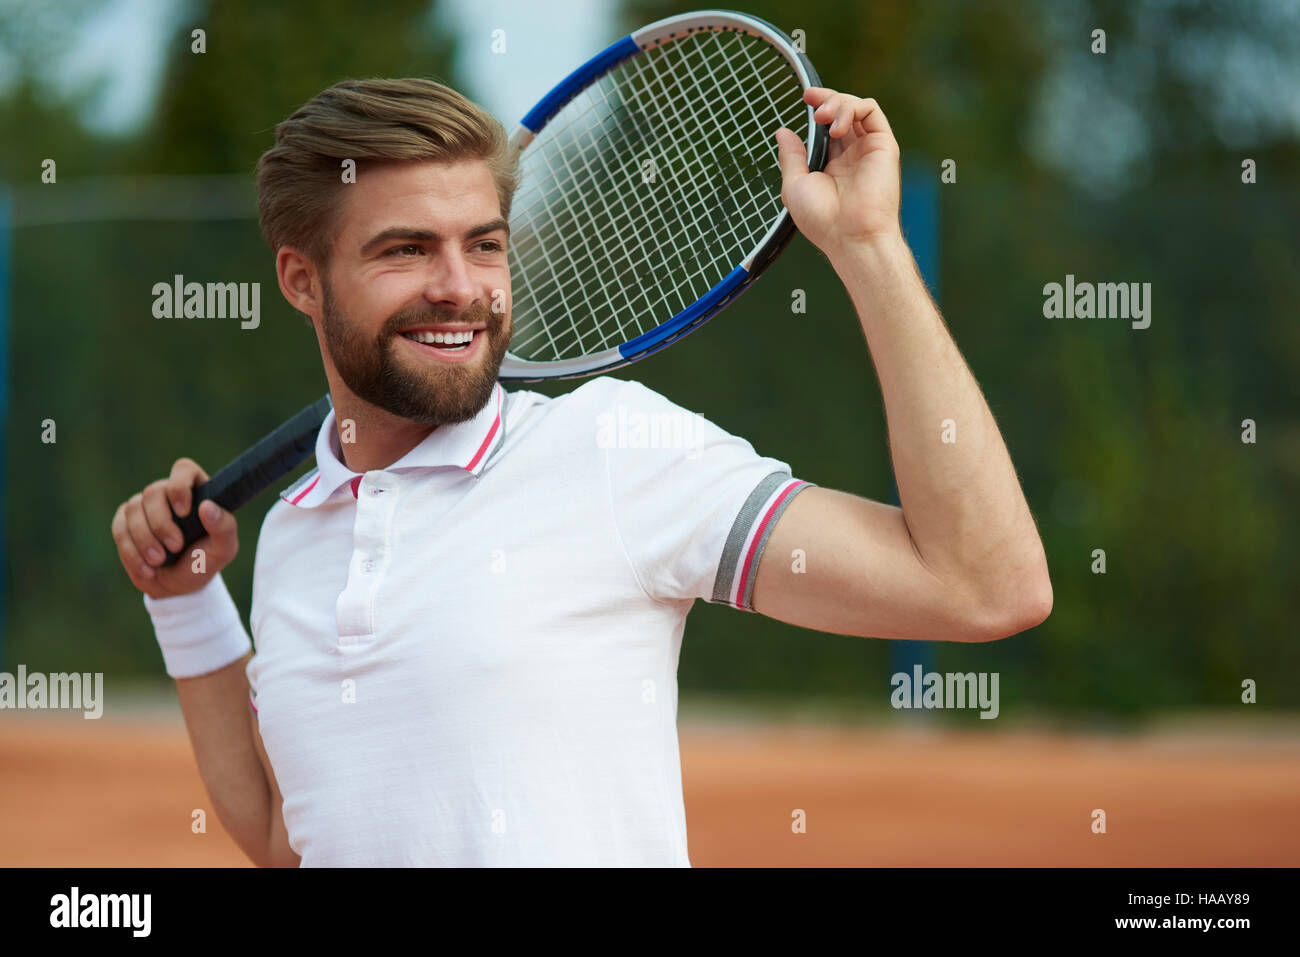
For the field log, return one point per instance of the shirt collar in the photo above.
(464, 445)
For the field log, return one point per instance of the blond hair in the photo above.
(299, 180)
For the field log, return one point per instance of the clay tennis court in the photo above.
(119, 791)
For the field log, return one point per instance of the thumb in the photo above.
(791, 155)
(219, 523)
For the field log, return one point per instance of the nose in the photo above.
(450, 283)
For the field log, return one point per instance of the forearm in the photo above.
(206, 650)
(960, 496)
(216, 715)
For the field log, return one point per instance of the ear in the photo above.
(300, 281)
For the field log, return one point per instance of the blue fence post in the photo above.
(6, 247)
(919, 213)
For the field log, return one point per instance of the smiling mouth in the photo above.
(444, 341)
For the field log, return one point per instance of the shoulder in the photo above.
(275, 526)
(285, 527)
(583, 408)
(606, 394)
(279, 511)
(591, 391)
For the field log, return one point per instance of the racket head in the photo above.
(639, 215)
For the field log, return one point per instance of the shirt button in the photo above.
(375, 491)
(367, 566)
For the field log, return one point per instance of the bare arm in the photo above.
(965, 510)
(282, 855)
(859, 574)
(961, 560)
(233, 763)
(196, 637)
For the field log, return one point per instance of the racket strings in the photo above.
(580, 117)
(700, 225)
(541, 269)
(690, 208)
(529, 208)
(602, 252)
(616, 221)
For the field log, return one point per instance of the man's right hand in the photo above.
(143, 524)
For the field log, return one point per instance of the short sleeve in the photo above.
(693, 504)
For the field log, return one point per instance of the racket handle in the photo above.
(243, 479)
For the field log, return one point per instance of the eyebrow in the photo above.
(427, 236)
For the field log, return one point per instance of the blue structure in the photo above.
(919, 212)
(6, 237)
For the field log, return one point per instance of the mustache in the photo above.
(476, 314)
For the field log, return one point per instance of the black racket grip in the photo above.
(243, 479)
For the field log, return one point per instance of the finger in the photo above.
(791, 156)
(185, 475)
(826, 112)
(137, 569)
(159, 515)
(137, 526)
(845, 117)
(814, 96)
(871, 116)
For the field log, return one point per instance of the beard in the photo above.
(433, 394)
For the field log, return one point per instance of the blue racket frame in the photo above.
(725, 292)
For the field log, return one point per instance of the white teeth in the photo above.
(440, 338)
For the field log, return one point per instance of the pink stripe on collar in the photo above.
(496, 424)
(301, 495)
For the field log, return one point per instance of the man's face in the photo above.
(420, 253)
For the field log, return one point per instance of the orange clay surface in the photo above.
(120, 792)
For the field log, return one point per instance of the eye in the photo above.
(401, 252)
(491, 246)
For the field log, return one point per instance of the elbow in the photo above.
(279, 853)
(1024, 603)
(273, 856)
(1036, 609)
(273, 850)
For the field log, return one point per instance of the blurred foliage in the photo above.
(218, 110)
(1126, 440)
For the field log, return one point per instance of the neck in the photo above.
(378, 438)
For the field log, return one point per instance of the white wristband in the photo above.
(200, 632)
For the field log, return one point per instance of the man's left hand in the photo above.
(854, 201)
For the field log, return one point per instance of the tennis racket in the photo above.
(649, 200)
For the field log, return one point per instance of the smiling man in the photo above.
(468, 614)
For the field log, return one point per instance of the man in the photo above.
(468, 615)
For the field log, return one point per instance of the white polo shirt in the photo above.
(469, 658)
